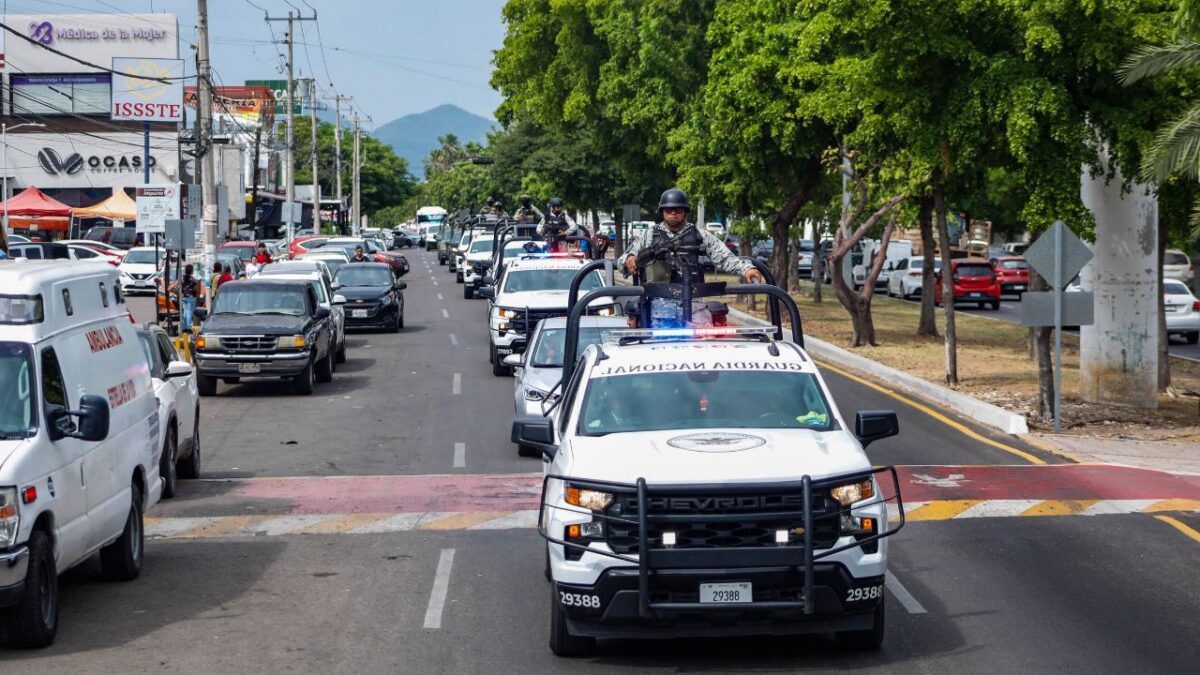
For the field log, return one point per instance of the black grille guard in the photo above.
(802, 557)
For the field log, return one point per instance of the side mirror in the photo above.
(93, 419)
(177, 369)
(873, 425)
(488, 280)
(322, 313)
(535, 432)
(400, 285)
(339, 299)
(486, 292)
(514, 361)
(200, 314)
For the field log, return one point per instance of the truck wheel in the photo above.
(458, 278)
(304, 383)
(995, 305)
(33, 621)
(166, 465)
(562, 643)
(325, 368)
(468, 291)
(400, 320)
(498, 367)
(206, 385)
(190, 467)
(865, 640)
(1192, 337)
(395, 327)
(341, 351)
(122, 559)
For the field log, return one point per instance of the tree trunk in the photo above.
(1164, 340)
(1042, 351)
(939, 207)
(927, 327)
(818, 265)
(619, 225)
(793, 285)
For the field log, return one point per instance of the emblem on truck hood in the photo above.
(716, 441)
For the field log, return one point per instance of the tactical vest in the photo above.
(661, 271)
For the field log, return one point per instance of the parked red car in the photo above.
(242, 249)
(1013, 273)
(973, 280)
(302, 245)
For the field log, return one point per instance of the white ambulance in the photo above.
(79, 432)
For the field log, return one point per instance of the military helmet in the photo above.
(674, 198)
(556, 201)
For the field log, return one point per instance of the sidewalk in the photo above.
(1174, 455)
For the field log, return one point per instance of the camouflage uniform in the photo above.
(714, 248)
(528, 216)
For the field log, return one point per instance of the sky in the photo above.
(394, 57)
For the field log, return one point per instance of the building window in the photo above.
(81, 94)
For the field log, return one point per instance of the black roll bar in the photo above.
(573, 295)
(571, 341)
(783, 298)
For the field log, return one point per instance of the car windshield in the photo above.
(521, 281)
(806, 246)
(548, 351)
(260, 299)
(141, 257)
(973, 271)
(312, 243)
(334, 264)
(703, 399)
(481, 246)
(1014, 265)
(364, 275)
(17, 412)
(1172, 287)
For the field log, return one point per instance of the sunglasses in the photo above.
(673, 209)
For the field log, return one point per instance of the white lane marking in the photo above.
(445, 314)
(454, 339)
(441, 585)
(999, 508)
(440, 297)
(285, 524)
(456, 387)
(432, 278)
(401, 522)
(435, 282)
(169, 527)
(460, 455)
(906, 599)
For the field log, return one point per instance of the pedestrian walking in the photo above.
(214, 279)
(189, 290)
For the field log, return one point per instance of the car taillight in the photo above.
(1196, 305)
(915, 274)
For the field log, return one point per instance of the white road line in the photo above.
(435, 282)
(460, 455)
(453, 339)
(456, 387)
(906, 599)
(441, 585)
(432, 278)
(440, 297)
(445, 314)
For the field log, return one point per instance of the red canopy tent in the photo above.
(33, 209)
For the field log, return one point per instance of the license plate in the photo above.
(1018, 287)
(358, 313)
(739, 592)
(1172, 308)
(249, 367)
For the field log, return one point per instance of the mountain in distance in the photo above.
(414, 136)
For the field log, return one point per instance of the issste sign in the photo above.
(140, 99)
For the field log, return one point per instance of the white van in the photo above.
(79, 430)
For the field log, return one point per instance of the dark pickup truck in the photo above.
(266, 329)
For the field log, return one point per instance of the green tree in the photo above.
(385, 177)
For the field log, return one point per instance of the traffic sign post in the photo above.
(1058, 256)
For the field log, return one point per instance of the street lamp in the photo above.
(4, 142)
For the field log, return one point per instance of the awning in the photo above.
(117, 207)
(34, 202)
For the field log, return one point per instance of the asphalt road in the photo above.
(383, 525)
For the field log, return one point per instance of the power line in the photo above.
(163, 80)
(321, 44)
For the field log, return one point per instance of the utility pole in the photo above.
(337, 149)
(208, 172)
(356, 210)
(289, 143)
(316, 185)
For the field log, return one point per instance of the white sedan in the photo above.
(174, 383)
(1182, 310)
(907, 277)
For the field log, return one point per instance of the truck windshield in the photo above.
(18, 417)
(521, 281)
(549, 349)
(703, 399)
(261, 299)
(481, 246)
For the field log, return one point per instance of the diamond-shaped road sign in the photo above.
(1075, 254)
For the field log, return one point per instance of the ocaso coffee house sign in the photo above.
(51, 160)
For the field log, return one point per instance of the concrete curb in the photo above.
(967, 406)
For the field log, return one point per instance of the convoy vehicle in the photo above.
(316, 274)
(79, 431)
(538, 369)
(429, 219)
(138, 272)
(121, 237)
(1013, 274)
(266, 329)
(702, 482)
(972, 280)
(174, 383)
(908, 277)
(476, 264)
(1182, 310)
(530, 288)
(1177, 265)
(371, 298)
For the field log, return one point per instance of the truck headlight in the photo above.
(588, 499)
(507, 313)
(10, 519)
(853, 493)
(203, 341)
(291, 342)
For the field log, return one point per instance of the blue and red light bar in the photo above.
(706, 332)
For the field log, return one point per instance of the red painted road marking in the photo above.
(512, 492)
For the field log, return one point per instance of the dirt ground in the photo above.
(994, 365)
